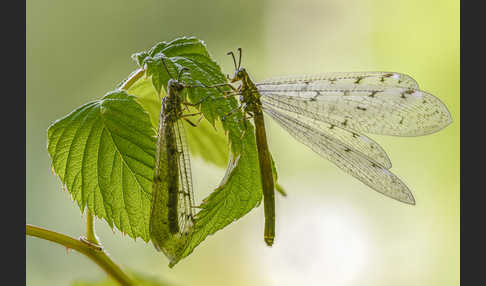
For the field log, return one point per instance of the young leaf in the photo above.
(206, 141)
(103, 152)
(191, 53)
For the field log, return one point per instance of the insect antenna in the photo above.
(239, 60)
(180, 73)
(233, 55)
(166, 68)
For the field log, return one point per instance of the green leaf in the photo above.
(103, 152)
(180, 46)
(280, 189)
(140, 279)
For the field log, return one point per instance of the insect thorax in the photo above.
(249, 94)
(172, 102)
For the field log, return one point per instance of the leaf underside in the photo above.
(103, 152)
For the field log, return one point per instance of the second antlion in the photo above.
(330, 112)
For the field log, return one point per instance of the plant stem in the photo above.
(132, 79)
(90, 228)
(97, 254)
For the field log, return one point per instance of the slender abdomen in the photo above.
(266, 176)
(172, 178)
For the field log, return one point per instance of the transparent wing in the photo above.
(350, 139)
(186, 193)
(386, 107)
(355, 163)
(339, 78)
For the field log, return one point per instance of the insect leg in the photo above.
(190, 114)
(209, 96)
(223, 84)
(192, 123)
(246, 117)
(199, 120)
(229, 113)
(244, 130)
(214, 85)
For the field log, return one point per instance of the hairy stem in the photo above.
(132, 79)
(92, 251)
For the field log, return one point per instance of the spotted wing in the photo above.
(350, 139)
(379, 103)
(355, 163)
(370, 78)
(186, 193)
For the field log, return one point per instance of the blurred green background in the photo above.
(331, 229)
